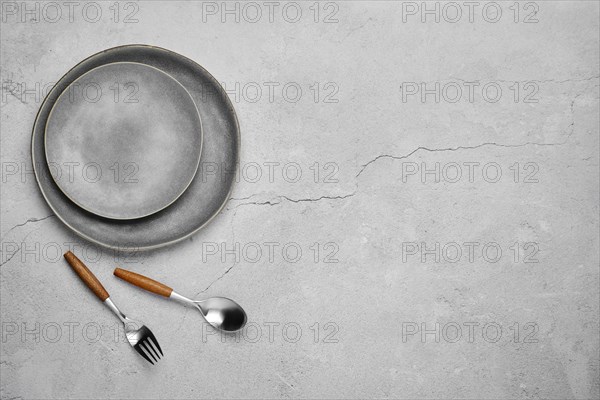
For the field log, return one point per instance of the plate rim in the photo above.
(197, 163)
(227, 101)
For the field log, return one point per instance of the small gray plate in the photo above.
(209, 190)
(126, 139)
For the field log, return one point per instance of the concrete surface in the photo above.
(338, 271)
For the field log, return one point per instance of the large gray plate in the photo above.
(138, 132)
(210, 188)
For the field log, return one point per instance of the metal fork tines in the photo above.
(141, 339)
(144, 342)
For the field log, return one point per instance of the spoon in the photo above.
(222, 313)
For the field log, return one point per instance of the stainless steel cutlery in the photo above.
(222, 313)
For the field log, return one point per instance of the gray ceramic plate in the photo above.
(208, 191)
(132, 137)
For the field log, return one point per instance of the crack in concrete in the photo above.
(241, 198)
(457, 148)
(11, 257)
(219, 278)
(567, 80)
(30, 220)
(232, 265)
(17, 250)
(280, 199)
(509, 81)
(572, 124)
(273, 202)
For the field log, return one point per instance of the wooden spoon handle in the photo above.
(86, 276)
(143, 282)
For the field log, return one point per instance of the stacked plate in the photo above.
(136, 147)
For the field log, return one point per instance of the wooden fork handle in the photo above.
(143, 282)
(86, 276)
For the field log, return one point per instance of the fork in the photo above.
(142, 339)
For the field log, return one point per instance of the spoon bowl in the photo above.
(222, 313)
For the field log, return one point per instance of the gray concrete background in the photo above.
(344, 318)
